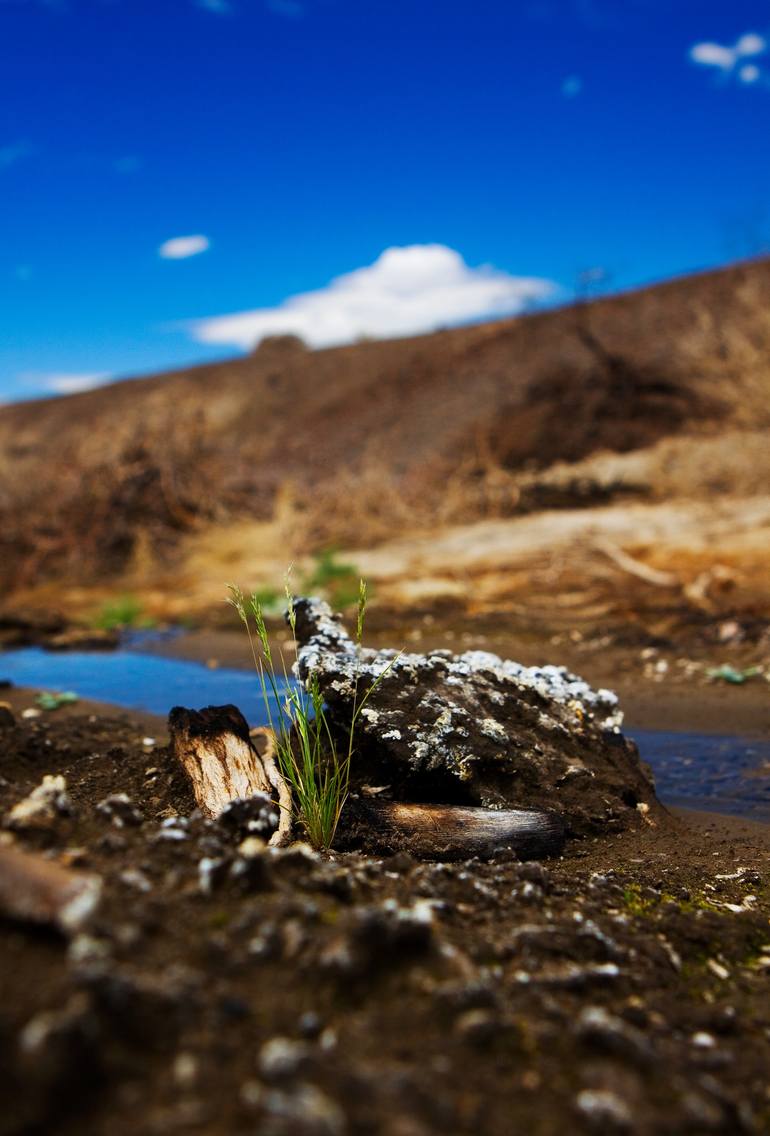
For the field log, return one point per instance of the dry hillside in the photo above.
(658, 394)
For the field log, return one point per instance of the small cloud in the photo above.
(291, 9)
(726, 59)
(180, 248)
(572, 86)
(128, 164)
(749, 73)
(218, 7)
(713, 55)
(406, 291)
(65, 382)
(751, 44)
(13, 153)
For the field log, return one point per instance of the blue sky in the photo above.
(285, 144)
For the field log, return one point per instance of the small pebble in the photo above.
(282, 1057)
(185, 1070)
(476, 1026)
(604, 1109)
(121, 810)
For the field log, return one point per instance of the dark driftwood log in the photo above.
(217, 753)
(451, 832)
(36, 890)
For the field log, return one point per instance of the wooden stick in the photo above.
(34, 889)
(216, 751)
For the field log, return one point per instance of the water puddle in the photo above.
(714, 772)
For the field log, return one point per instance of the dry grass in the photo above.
(660, 394)
(109, 517)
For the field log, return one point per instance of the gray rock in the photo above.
(250, 816)
(477, 1027)
(45, 804)
(609, 1034)
(282, 1057)
(604, 1110)
(121, 810)
(304, 1111)
(476, 729)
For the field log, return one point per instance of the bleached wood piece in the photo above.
(34, 889)
(219, 756)
(454, 832)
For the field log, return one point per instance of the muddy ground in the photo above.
(622, 987)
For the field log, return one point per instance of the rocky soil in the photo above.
(221, 987)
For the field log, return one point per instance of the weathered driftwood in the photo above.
(220, 757)
(451, 832)
(34, 889)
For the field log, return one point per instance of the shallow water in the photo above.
(135, 680)
(714, 772)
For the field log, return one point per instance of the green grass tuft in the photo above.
(315, 768)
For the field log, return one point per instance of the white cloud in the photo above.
(751, 44)
(713, 55)
(65, 382)
(179, 248)
(726, 59)
(405, 292)
(749, 73)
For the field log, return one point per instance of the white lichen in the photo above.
(456, 713)
(492, 729)
(331, 651)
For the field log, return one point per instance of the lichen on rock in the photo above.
(477, 729)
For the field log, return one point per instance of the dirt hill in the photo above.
(361, 443)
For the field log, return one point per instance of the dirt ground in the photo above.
(622, 987)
